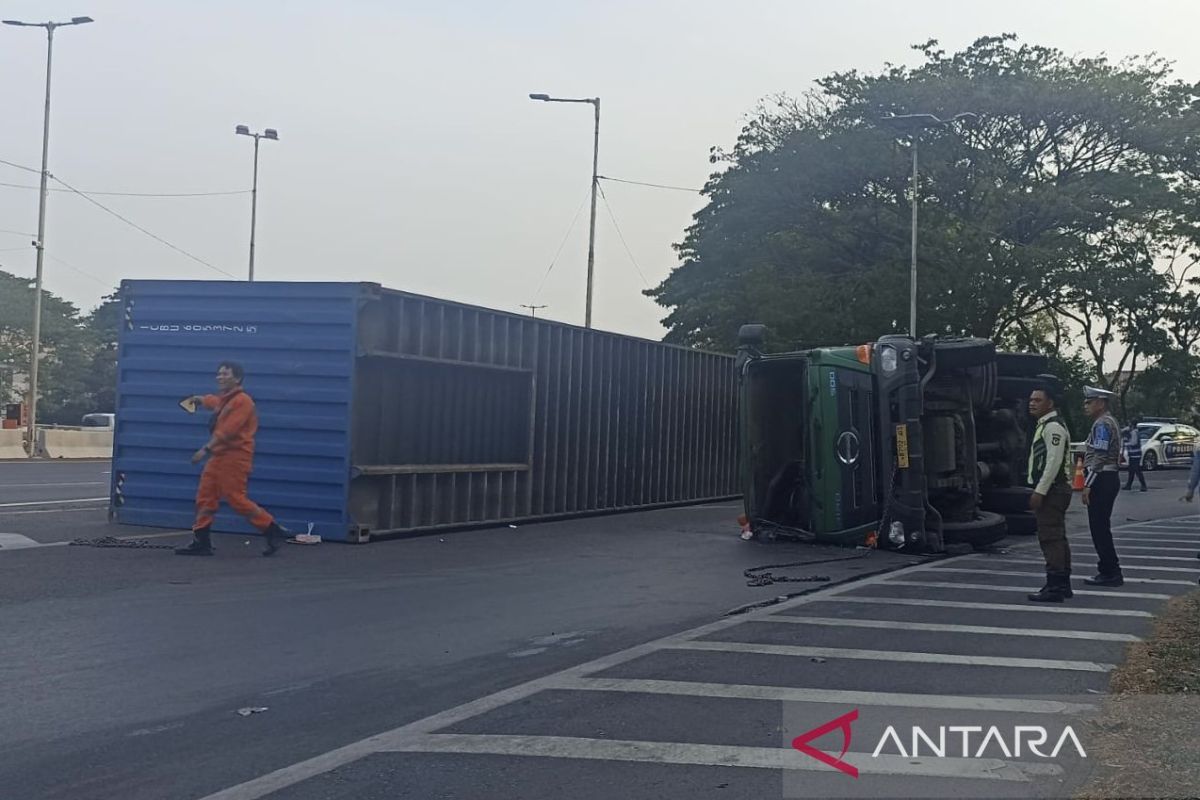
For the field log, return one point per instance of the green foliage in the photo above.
(77, 370)
(1063, 218)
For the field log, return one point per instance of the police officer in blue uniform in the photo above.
(1102, 483)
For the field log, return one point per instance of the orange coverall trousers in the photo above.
(224, 478)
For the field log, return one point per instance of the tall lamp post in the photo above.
(40, 244)
(273, 135)
(591, 261)
(914, 124)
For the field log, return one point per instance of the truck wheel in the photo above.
(983, 386)
(1011, 500)
(1021, 365)
(1009, 388)
(1021, 524)
(986, 528)
(966, 352)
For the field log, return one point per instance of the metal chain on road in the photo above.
(130, 544)
(757, 577)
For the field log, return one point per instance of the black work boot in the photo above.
(275, 535)
(1111, 579)
(201, 544)
(1055, 591)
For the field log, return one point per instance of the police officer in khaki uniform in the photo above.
(1049, 475)
(1102, 483)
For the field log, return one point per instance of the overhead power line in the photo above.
(134, 225)
(620, 235)
(653, 185)
(131, 194)
(562, 244)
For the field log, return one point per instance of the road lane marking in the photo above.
(678, 753)
(54, 502)
(992, 587)
(1042, 574)
(15, 541)
(301, 771)
(1190, 571)
(787, 694)
(937, 627)
(904, 656)
(1038, 607)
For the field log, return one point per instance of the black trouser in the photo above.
(1135, 469)
(1104, 490)
(1052, 528)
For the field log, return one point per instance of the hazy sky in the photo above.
(409, 153)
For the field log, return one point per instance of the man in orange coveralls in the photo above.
(231, 451)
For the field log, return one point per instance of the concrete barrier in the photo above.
(59, 443)
(12, 444)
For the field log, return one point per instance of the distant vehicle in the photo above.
(1166, 444)
(104, 421)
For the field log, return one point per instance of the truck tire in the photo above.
(1021, 365)
(983, 386)
(965, 352)
(987, 527)
(1011, 500)
(1021, 524)
(1009, 388)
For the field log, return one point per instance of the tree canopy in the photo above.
(77, 369)
(1063, 217)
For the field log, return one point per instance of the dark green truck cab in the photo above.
(903, 443)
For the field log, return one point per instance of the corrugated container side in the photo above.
(296, 342)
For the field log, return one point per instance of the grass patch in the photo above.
(1146, 743)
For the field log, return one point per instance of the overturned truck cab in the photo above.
(910, 444)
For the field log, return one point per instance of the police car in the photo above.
(1166, 444)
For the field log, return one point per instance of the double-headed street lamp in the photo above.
(40, 243)
(591, 261)
(273, 135)
(914, 124)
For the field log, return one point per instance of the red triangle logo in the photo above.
(801, 743)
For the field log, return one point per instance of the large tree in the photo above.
(1077, 175)
(77, 367)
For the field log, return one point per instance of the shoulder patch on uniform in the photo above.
(1056, 439)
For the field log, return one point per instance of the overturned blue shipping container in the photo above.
(383, 412)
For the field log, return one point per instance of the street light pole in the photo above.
(273, 135)
(916, 123)
(591, 260)
(40, 244)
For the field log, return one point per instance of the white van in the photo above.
(102, 421)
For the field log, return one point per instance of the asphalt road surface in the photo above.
(591, 658)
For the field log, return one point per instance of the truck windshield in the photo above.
(775, 403)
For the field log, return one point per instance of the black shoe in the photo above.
(1106, 580)
(275, 535)
(201, 544)
(1049, 594)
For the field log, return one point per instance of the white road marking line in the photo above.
(15, 541)
(40, 485)
(1028, 589)
(1124, 567)
(773, 758)
(301, 771)
(892, 625)
(1035, 607)
(1042, 574)
(53, 511)
(31, 544)
(54, 502)
(1125, 547)
(787, 694)
(1124, 540)
(1125, 556)
(904, 656)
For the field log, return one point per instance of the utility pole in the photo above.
(40, 244)
(591, 260)
(273, 135)
(914, 124)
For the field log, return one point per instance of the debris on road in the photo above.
(248, 710)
